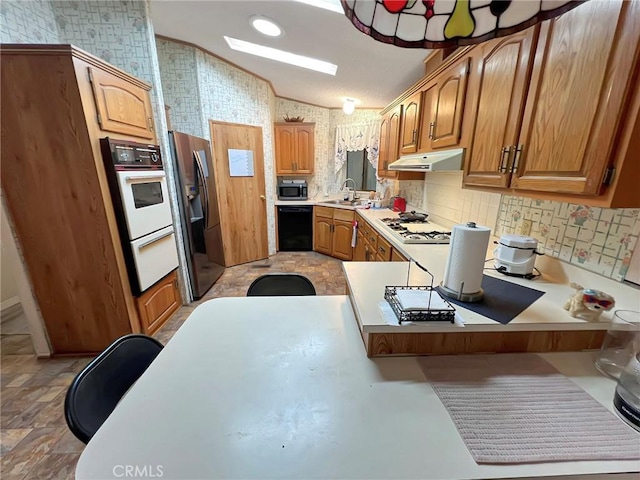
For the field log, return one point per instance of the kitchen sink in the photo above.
(342, 202)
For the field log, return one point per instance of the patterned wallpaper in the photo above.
(27, 22)
(229, 94)
(598, 239)
(180, 86)
(324, 179)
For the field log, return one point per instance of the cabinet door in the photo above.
(303, 162)
(342, 234)
(322, 235)
(358, 251)
(383, 149)
(397, 256)
(579, 84)
(122, 107)
(383, 248)
(157, 304)
(501, 72)
(394, 138)
(410, 124)
(449, 105)
(285, 149)
(427, 119)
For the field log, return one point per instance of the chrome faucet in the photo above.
(344, 185)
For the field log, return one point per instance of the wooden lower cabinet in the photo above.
(383, 249)
(333, 230)
(322, 230)
(359, 253)
(397, 256)
(157, 304)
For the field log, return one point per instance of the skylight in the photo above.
(282, 56)
(332, 5)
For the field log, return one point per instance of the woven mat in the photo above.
(520, 409)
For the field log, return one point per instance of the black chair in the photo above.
(281, 284)
(98, 388)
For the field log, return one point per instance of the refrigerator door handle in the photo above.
(204, 190)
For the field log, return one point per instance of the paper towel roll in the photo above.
(466, 258)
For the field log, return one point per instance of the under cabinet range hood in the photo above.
(446, 160)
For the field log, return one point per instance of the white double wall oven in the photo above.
(140, 195)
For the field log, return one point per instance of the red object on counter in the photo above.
(399, 205)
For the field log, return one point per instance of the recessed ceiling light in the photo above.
(282, 56)
(332, 5)
(266, 26)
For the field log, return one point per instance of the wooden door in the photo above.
(425, 132)
(285, 148)
(410, 124)
(242, 199)
(579, 84)
(322, 230)
(122, 106)
(449, 105)
(501, 72)
(342, 234)
(305, 154)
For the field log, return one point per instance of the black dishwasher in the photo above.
(295, 229)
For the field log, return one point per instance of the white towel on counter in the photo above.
(419, 300)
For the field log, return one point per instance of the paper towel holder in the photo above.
(462, 297)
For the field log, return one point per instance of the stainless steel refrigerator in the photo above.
(198, 210)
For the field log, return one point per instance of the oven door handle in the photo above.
(154, 240)
(130, 178)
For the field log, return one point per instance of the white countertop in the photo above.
(368, 279)
(260, 387)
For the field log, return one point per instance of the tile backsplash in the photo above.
(442, 197)
(598, 239)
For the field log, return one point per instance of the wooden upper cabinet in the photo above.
(294, 146)
(383, 148)
(410, 124)
(304, 146)
(581, 78)
(122, 106)
(285, 149)
(501, 73)
(443, 104)
(448, 106)
(394, 139)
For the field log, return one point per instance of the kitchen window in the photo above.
(362, 172)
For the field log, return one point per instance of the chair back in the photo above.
(282, 284)
(97, 389)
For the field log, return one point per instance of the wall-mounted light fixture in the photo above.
(349, 106)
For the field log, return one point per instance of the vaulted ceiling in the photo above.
(372, 72)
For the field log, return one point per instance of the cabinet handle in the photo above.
(381, 249)
(175, 283)
(432, 127)
(413, 136)
(502, 168)
(150, 123)
(516, 159)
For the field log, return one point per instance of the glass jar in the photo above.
(627, 397)
(620, 344)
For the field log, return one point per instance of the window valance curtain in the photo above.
(355, 137)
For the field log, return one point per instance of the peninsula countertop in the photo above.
(261, 387)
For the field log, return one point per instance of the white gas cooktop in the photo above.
(416, 232)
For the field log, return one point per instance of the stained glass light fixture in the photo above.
(448, 23)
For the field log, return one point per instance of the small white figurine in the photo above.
(588, 303)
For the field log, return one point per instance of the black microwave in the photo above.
(293, 190)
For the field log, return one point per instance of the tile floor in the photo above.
(35, 442)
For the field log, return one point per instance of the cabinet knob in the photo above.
(263, 197)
